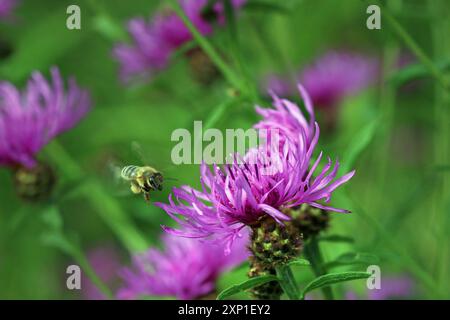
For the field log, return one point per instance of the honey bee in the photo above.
(142, 179)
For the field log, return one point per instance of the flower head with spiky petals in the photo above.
(287, 118)
(31, 119)
(243, 192)
(154, 42)
(186, 269)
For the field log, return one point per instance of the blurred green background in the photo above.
(396, 139)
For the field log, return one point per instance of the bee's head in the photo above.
(157, 181)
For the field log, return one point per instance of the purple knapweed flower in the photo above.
(106, 263)
(154, 42)
(393, 288)
(241, 193)
(31, 119)
(185, 269)
(288, 119)
(336, 75)
(277, 84)
(6, 8)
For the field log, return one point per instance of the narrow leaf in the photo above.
(299, 262)
(333, 278)
(416, 71)
(360, 142)
(353, 258)
(336, 238)
(51, 216)
(266, 7)
(250, 283)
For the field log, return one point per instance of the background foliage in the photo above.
(395, 135)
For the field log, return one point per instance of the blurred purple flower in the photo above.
(154, 42)
(185, 269)
(336, 75)
(32, 118)
(6, 8)
(277, 84)
(393, 288)
(106, 263)
(241, 193)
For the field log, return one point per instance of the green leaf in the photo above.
(352, 258)
(108, 28)
(442, 168)
(299, 262)
(336, 238)
(361, 140)
(51, 216)
(287, 281)
(333, 278)
(217, 114)
(416, 71)
(266, 6)
(250, 283)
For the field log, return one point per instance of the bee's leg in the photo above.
(147, 196)
(135, 187)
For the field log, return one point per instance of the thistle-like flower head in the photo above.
(263, 183)
(31, 119)
(185, 268)
(336, 75)
(154, 42)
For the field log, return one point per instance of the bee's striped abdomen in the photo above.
(129, 172)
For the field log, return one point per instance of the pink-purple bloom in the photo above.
(185, 269)
(239, 194)
(154, 42)
(6, 8)
(330, 79)
(32, 118)
(106, 263)
(392, 288)
(287, 118)
(337, 75)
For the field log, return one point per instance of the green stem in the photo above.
(439, 28)
(314, 256)
(72, 249)
(387, 106)
(287, 281)
(70, 246)
(106, 206)
(411, 264)
(235, 49)
(414, 47)
(218, 113)
(208, 48)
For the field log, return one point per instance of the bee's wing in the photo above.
(137, 150)
(169, 170)
(117, 185)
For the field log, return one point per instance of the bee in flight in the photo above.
(143, 179)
